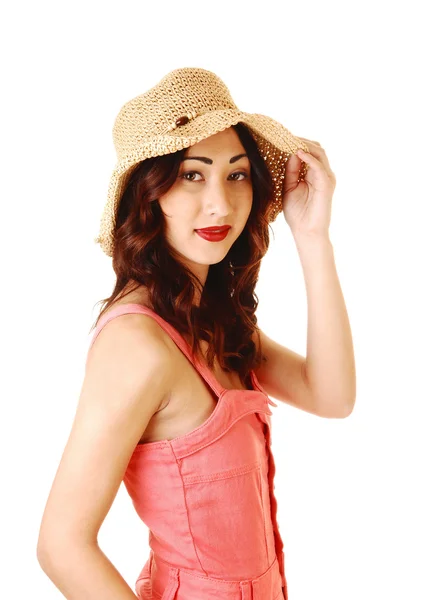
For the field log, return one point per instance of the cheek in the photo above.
(176, 210)
(247, 204)
(179, 221)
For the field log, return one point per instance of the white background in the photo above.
(353, 493)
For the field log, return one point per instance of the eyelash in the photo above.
(192, 180)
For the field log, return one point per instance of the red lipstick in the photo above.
(213, 234)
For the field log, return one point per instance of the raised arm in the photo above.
(128, 377)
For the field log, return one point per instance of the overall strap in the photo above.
(122, 309)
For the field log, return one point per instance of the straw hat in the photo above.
(185, 107)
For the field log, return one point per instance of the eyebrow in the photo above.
(209, 161)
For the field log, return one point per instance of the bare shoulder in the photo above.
(133, 332)
(138, 339)
(127, 378)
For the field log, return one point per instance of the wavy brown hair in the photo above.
(226, 316)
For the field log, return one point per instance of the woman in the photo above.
(175, 399)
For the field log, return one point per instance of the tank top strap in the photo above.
(185, 348)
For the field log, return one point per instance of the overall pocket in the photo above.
(227, 521)
(143, 587)
(170, 591)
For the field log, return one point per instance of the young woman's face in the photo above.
(214, 192)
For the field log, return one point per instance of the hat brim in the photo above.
(275, 142)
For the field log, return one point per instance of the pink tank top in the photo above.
(207, 497)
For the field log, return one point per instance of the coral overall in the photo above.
(207, 498)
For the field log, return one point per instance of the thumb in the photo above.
(293, 167)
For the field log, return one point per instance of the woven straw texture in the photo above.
(185, 107)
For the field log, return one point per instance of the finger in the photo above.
(318, 163)
(320, 154)
(315, 148)
(310, 141)
(293, 168)
(308, 157)
(311, 159)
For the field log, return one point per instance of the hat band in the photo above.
(182, 120)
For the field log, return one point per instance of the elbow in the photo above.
(335, 410)
(346, 409)
(42, 550)
(45, 548)
(44, 557)
(47, 553)
(53, 553)
(56, 557)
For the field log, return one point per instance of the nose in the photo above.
(217, 199)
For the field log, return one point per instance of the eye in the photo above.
(240, 173)
(187, 173)
(184, 175)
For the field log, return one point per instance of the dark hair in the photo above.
(226, 316)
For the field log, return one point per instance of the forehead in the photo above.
(226, 141)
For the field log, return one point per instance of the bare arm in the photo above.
(330, 363)
(323, 383)
(128, 376)
(83, 572)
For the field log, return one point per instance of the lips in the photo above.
(213, 234)
(215, 229)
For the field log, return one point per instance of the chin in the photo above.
(207, 258)
(211, 260)
(212, 255)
